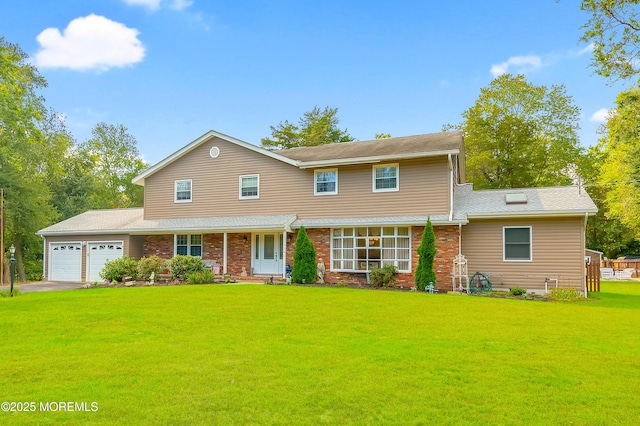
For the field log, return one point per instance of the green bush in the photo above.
(426, 254)
(304, 259)
(204, 277)
(383, 277)
(151, 264)
(181, 266)
(119, 269)
(517, 291)
(565, 294)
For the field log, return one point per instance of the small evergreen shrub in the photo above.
(565, 294)
(151, 264)
(426, 254)
(304, 259)
(517, 291)
(119, 269)
(383, 277)
(204, 277)
(181, 266)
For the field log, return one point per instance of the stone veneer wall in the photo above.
(447, 244)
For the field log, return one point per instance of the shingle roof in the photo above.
(370, 221)
(551, 201)
(418, 145)
(130, 221)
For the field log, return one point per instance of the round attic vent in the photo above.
(214, 152)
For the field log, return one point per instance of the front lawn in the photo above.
(253, 354)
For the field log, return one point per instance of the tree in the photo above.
(383, 135)
(114, 162)
(614, 30)
(316, 127)
(29, 150)
(520, 135)
(620, 170)
(426, 254)
(304, 259)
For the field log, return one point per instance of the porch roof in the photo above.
(438, 219)
(131, 221)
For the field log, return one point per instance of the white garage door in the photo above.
(99, 253)
(66, 262)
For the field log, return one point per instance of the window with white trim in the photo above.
(182, 191)
(249, 187)
(326, 182)
(365, 248)
(517, 243)
(188, 244)
(386, 177)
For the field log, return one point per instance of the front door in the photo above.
(267, 257)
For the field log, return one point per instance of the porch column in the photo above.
(224, 253)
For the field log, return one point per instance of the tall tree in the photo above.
(28, 152)
(315, 127)
(620, 170)
(614, 30)
(114, 161)
(520, 135)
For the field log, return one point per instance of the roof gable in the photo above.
(139, 180)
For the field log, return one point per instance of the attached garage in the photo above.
(98, 254)
(65, 262)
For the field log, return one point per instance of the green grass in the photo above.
(255, 354)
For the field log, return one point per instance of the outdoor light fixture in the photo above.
(244, 238)
(12, 250)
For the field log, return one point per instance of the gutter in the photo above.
(372, 159)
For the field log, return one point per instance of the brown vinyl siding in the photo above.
(557, 251)
(126, 245)
(285, 189)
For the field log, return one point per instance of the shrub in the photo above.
(304, 259)
(150, 264)
(204, 277)
(119, 269)
(383, 277)
(517, 291)
(565, 294)
(181, 266)
(426, 254)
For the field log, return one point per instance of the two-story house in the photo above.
(363, 204)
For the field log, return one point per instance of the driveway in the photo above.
(45, 286)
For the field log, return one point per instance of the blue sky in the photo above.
(170, 70)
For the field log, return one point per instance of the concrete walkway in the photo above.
(44, 286)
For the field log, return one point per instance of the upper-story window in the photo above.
(517, 243)
(326, 182)
(182, 191)
(249, 187)
(386, 177)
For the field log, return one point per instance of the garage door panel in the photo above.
(99, 254)
(66, 262)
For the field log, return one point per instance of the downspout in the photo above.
(584, 244)
(450, 188)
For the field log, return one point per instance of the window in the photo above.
(517, 243)
(188, 245)
(249, 187)
(326, 182)
(182, 191)
(386, 178)
(361, 249)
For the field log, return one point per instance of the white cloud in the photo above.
(149, 4)
(92, 42)
(522, 64)
(587, 49)
(180, 4)
(600, 116)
